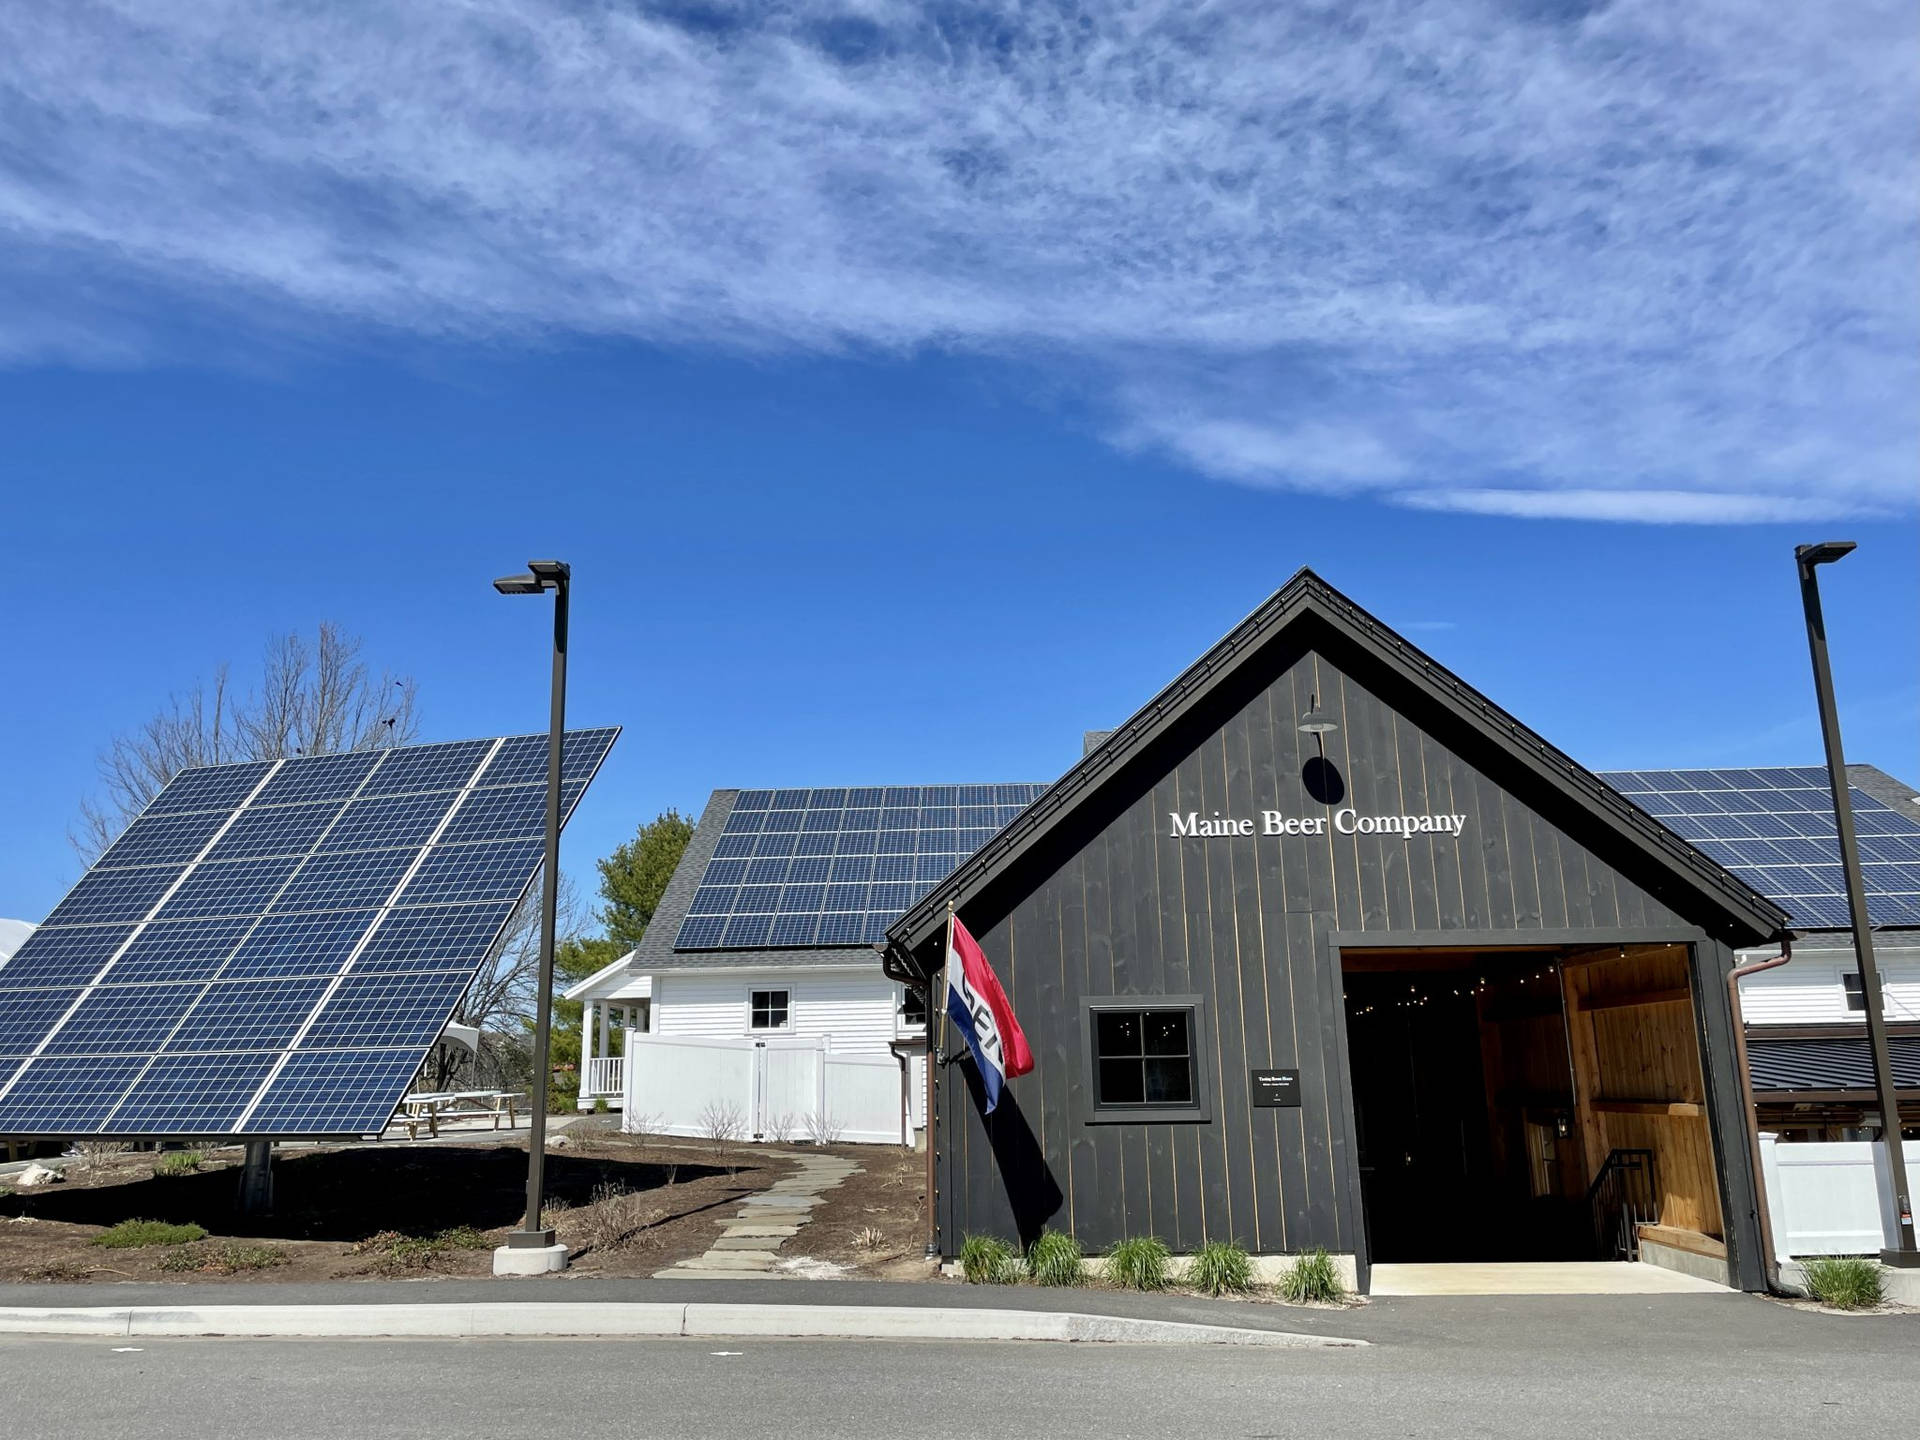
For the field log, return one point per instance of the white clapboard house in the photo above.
(755, 1004)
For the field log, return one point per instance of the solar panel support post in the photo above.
(1903, 1252)
(551, 575)
(256, 1178)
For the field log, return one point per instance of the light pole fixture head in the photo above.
(1317, 721)
(518, 585)
(1825, 553)
(550, 572)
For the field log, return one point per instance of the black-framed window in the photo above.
(1143, 1059)
(913, 1007)
(770, 1009)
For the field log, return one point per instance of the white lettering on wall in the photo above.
(1193, 825)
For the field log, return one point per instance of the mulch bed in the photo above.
(328, 1201)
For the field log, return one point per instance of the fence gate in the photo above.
(787, 1076)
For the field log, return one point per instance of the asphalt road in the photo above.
(1636, 1367)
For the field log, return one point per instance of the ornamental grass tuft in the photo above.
(1846, 1282)
(988, 1260)
(1313, 1279)
(1054, 1258)
(138, 1234)
(1220, 1267)
(1139, 1263)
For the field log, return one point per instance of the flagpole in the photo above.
(936, 1035)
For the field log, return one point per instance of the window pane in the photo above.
(778, 1014)
(1121, 1083)
(1116, 1032)
(1169, 1082)
(1166, 1032)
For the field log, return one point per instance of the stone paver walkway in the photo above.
(750, 1241)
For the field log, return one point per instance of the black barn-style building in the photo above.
(1323, 948)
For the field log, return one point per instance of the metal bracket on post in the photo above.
(256, 1179)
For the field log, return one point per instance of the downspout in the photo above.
(896, 967)
(1769, 1261)
(905, 1057)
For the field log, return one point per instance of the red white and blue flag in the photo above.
(979, 1010)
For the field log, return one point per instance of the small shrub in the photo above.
(224, 1259)
(870, 1238)
(1054, 1259)
(96, 1153)
(988, 1260)
(1139, 1263)
(600, 1105)
(613, 1219)
(1845, 1282)
(1312, 1279)
(1221, 1268)
(178, 1162)
(138, 1234)
(824, 1128)
(394, 1252)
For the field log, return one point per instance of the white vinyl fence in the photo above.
(1831, 1197)
(775, 1089)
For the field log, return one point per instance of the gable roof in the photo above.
(1308, 598)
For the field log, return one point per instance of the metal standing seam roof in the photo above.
(1839, 1063)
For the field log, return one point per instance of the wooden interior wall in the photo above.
(1637, 1066)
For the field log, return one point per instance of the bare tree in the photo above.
(314, 698)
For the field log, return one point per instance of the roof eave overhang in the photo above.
(1303, 597)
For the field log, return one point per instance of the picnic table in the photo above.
(430, 1107)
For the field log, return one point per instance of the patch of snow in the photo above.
(808, 1268)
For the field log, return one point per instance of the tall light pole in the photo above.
(531, 1248)
(1808, 558)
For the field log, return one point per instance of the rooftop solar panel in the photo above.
(1774, 828)
(836, 866)
(270, 947)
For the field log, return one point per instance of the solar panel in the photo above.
(270, 947)
(836, 866)
(1774, 828)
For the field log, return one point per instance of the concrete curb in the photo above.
(845, 1322)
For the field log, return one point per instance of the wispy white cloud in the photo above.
(1537, 257)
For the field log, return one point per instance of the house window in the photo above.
(771, 1009)
(1143, 1059)
(1856, 989)
(913, 1008)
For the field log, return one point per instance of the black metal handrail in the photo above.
(1622, 1198)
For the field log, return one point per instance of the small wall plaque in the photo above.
(1275, 1089)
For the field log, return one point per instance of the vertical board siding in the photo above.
(1113, 904)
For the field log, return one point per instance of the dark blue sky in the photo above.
(819, 571)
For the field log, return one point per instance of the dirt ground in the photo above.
(874, 1223)
(628, 1206)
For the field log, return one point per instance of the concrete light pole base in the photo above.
(519, 1260)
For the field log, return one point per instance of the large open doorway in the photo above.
(1528, 1104)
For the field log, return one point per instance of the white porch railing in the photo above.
(604, 1077)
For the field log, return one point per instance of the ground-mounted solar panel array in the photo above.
(271, 947)
(1774, 828)
(837, 866)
